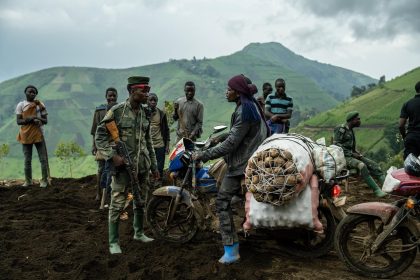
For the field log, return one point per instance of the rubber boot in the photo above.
(28, 178)
(114, 246)
(381, 179)
(231, 254)
(138, 227)
(373, 186)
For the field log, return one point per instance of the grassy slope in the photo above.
(378, 108)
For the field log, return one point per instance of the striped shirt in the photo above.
(278, 105)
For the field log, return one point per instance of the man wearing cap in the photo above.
(111, 96)
(128, 122)
(31, 115)
(411, 111)
(188, 111)
(159, 130)
(248, 130)
(344, 137)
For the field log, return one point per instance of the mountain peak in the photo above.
(269, 46)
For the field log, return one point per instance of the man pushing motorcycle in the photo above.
(248, 131)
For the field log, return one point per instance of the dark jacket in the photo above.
(243, 139)
(344, 137)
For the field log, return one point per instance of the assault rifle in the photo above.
(129, 165)
(131, 169)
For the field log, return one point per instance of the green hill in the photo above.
(72, 93)
(336, 81)
(379, 111)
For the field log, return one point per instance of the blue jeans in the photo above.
(277, 127)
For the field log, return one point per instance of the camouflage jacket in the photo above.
(134, 131)
(344, 137)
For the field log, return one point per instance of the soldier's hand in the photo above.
(357, 155)
(117, 160)
(94, 150)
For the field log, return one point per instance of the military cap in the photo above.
(135, 80)
(352, 115)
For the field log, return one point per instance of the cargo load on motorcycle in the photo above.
(282, 178)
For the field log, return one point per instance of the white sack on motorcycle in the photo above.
(279, 169)
(390, 182)
(262, 179)
(329, 161)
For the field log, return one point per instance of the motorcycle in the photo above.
(381, 240)
(176, 213)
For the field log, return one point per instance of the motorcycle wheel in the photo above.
(354, 237)
(314, 245)
(181, 229)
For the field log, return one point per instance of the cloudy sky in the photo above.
(374, 37)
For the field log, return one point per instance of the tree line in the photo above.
(361, 90)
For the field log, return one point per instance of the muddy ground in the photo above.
(59, 233)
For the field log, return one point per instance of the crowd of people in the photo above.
(144, 129)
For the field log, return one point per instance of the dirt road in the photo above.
(58, 233)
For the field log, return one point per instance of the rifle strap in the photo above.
(139, 143)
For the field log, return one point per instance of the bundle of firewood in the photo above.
(271, 176)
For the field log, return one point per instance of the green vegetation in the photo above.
(72, 93)
(4, 151)
(379, 109)
(68, 152)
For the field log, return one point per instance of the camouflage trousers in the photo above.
(120, 188)
(230, 186)
(365, 166)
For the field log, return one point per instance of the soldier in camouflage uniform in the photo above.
(134, 130)
(344, 137)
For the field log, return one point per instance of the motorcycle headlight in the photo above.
(410, 203)
(173, 175)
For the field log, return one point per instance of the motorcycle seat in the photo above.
(404, 178)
